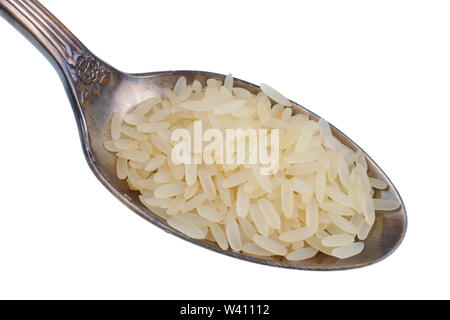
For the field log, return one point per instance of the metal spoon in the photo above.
(96, 91)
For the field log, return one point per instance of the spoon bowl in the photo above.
(96, 91)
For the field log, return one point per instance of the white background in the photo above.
(378, 70)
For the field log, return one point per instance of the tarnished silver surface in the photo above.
(96, 90)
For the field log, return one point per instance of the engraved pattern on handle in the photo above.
(89, 75)
(85, 73)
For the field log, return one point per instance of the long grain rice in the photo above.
(122, 168)
(242, 203)
(287, 198)
(116, 126)
(302, 254)
(170, 190)
(319, 200)
(348, 251)
(210, 214)
(155, 163)
(270, 214)
(297, 235)
(219, 236)
(194, 219)
(187, 228)
(259, 220)
(339, 240)
(253, 249)
(207, 183)
(275, 95)
(270, 245)
(195, 202)
(378, 184)
(233, 233)
(386, 204)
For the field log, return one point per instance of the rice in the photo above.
(122, 168)
(339, 197)
(343, 171)
(196, 86)
(187, 228)
(264, 113)
(237, 179)
(259, 220)
(133, 133)
(336, 208)
(229, 107)
(302, 254)
(194, 219)
(312, 215)
(301, 187)
(177, 170)
(147, 127)
(301, 157)
(233, 233)
(385, 204)
(176, 205)
(348, 251)
(287, 198)
(264, 181)
(253, 249)
(270, 245)
(286, 114)
(162, 177)
(369, 209)
(298, 245)
(116, 126)
(247, 227)
(219, 236)
(126, 144)
(320, 199)
(305, 137)
(190, 174)
(270, 214)
(158, 116)
(275, 95)
(207, 183)
(378, 184)
(133, 119)
(242, 203)
(224, 193)
(160, 144)
(301, 169)
(343, 224)
(228, 83)
(170, 190)
(242, 93)
(144, 107)
(134, 155)
(364, 230)
(319, 185)
(109, 146)
(179, 85)
(339, 240)
(195, 202)
(155, 163)
(158, 203)
(297, 235)
(190, 191)
(210, 214)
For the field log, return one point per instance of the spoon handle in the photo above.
(82, 73)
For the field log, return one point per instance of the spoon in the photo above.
(96, 91)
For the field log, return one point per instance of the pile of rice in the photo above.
(320, 199)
